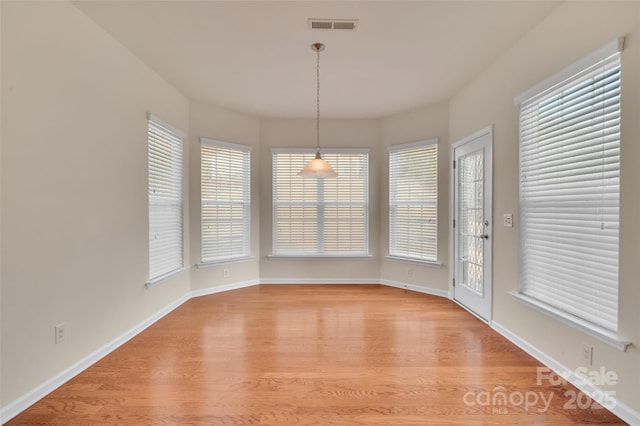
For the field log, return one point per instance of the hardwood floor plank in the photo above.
(315, 355)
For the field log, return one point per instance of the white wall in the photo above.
(426, 123)
(226, 126)
(300, 133)
(74, 190)
(571, 31)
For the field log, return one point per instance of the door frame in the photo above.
(488, 191)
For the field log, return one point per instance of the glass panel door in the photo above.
(472, 223)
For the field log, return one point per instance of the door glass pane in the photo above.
(471, 220)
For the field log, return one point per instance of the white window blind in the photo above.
(569, 191)
(321, 217)
(226, 200)
(413, 201)
(165, 199)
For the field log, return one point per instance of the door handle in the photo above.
(485, 236)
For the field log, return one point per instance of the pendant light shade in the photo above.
(317, 168)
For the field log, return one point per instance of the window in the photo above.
(226, 201)
(321, 217)
(165, 200)
(413, 201)
(569, 190)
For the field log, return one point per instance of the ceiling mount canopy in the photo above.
(317, 47)
(317, 168)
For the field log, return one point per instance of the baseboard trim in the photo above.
(620, 409)
(416, 288)
(470, 311)
(319, 281)
(22, 403)
(222, 288)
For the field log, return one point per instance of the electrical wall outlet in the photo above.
(409, 272)
(61, 333)
(225, 272)
(507, 220)
(586, 355)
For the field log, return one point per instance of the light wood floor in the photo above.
(313, 355)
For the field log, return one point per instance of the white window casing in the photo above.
(166, 199)
(225, 177)
(569, 191)
(413, 201)
(321, 217)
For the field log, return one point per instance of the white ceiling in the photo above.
(255, 57)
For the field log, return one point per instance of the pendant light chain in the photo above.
(318, 168)
(318, 101)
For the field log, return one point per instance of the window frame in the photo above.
(320, 251)
(176, 139)
(245, 152)
(394, 252)
(576, 74)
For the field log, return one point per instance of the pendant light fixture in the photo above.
(317, 168)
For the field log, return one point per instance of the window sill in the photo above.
(607, 336)
(319, 257)
(218, 262)
(162, 278)
(413, 260)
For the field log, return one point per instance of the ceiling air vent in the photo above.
(332, 24)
